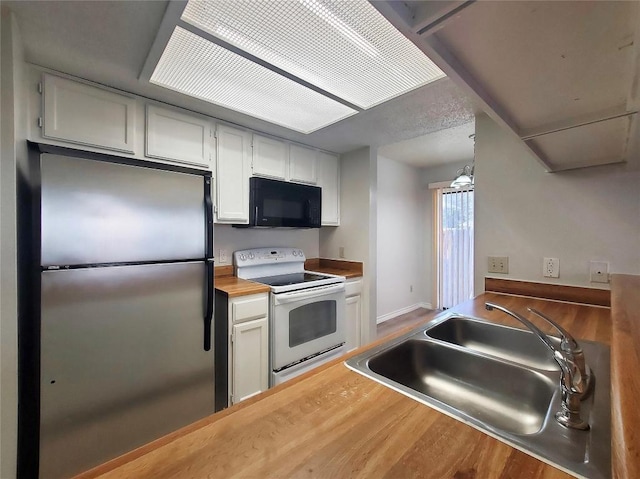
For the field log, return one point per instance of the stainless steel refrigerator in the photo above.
(125, 305)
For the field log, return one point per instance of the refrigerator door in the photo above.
(122, 361)
(98, 212)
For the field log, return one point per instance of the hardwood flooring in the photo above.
(413, 318)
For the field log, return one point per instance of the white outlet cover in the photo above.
(551, 268)
(599, 271)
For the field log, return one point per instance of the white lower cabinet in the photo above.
(250, 349)
(248, 346)
(353, 313)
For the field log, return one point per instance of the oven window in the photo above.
(311, 321)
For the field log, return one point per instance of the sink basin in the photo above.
(513, 344)
(507, 396)
(502, 381)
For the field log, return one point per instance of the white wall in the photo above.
(357, 230)
(433, 174)
(401, 243)
(231, 239)
(12, 150)
(527, 214)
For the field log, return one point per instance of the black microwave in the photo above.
(279, 203)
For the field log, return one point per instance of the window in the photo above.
(454, 245)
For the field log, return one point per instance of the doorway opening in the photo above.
(454, 245)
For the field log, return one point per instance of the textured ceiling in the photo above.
(437, 148)
(108, 42)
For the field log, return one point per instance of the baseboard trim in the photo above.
(408, 309)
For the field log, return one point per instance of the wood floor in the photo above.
(412, 318)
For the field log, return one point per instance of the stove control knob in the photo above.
(299, 252)
(251, 256)
(242, 257)
(294, 253)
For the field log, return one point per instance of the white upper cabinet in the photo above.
(329, 181)
(233, 166)
(177, 136)
(79, 113)
(270, 157)
(302, 165)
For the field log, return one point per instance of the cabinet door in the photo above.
(173, 135)
(353, 306)
(329, 181)
(302, 165)
(270, 157)
(232, 175)
(250, 343)
(87, 115)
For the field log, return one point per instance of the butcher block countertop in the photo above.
(335, 423)
(227, 283)
(625, 377)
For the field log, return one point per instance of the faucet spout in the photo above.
(573, 383)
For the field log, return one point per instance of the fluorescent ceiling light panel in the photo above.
(199, 68)
(346, 48)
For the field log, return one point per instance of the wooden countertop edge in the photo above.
(240, 287)
(625, 376)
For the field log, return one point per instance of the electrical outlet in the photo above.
(341, 251)
(223, 257)
(599, 271)
(551, 268)
(498, 264)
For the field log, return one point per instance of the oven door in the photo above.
(305, 323)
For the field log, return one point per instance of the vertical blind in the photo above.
(455, 253)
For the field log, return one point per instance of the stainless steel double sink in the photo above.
(502, 381)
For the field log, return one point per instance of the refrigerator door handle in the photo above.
(208, 315)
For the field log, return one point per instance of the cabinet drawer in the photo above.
(251, 307)
(351, 288)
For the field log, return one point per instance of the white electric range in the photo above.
(306, 309)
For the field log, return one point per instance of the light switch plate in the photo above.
(223, 257)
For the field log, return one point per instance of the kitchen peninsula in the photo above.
(333, 422)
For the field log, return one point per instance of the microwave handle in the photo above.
(283, 298)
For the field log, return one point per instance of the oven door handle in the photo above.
(283, 298)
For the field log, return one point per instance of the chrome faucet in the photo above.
(575, 376)
(572, 350)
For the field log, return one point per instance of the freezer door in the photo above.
(100, 212)
(122, 361)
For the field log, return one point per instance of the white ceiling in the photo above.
(108, 42)
(444, 146)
